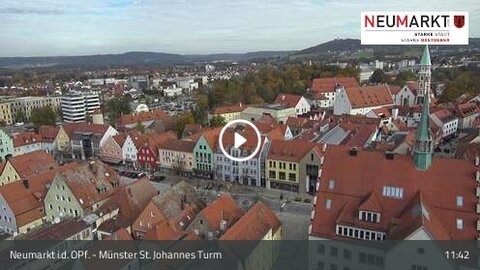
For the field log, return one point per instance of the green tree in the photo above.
(20, 117)
(379, 76)
(139, 127)
(116, 107)
(43, 116)
(182, 121)
(405, 76)
(217, 121)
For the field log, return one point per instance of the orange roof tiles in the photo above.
(369, 96)
(371, 172)
(175, 144)
(71, 128)
(289, 150)
(254, 225)
(33, 163)
(48, 133)
(121, 234)
(144, 117)
(229, 109)
(223, 208)
(26, 138)
(466, 109)
(86, 180)
(328, 84)
(120, 138)
(288, 99)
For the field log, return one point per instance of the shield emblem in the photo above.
(459, 21)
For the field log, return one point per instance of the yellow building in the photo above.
(62, 141)
(229, 112)
(8, 173)
(6, 113)
(177, 155)
(292, 166)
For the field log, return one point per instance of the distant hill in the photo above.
(131, 58)
(339, 46)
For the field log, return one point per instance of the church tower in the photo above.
(424, 76)
(423, 149)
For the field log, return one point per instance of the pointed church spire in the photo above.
(423, 149)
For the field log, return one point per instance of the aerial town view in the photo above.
(315, 134)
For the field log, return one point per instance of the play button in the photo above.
(240, 141)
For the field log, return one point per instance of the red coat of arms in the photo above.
(459, 21)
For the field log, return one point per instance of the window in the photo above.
(334, 251)
(331, 184)
(459, 224)
(347, 254)
(292, 177)
(321, 249)
(392, 192)
(459, 201)
(328, 204)
(272, 174)
(281, 176)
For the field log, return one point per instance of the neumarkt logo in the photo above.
(407, 28)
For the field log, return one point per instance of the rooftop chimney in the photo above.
(26, 183)
(353, 151)
(389, 155)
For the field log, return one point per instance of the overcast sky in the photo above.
(78, 27)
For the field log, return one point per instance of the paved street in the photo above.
(295, 215)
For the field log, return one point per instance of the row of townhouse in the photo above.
(11, 108)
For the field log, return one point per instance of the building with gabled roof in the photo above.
(323, 90)
(87, 139)
(147, 120)
(147, 154)
(22, 201)
(18, 167)
(292, 166)
(361, 100)
(228, 112)
(216, 218)
(124, 207)
(177, 207)
(301, 104)
(26, 142)
(177, 155)
(466, 113)
(80, 190)
(204, 151)
(258, 223)
(418, 201)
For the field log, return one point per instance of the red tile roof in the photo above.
(24, 205)
(369, 172)
(26, 138)
(130, 199)
(33, 163)
(63, 230)
(466, 109)
(141, 117)
(223, 208)
(254, 225)
(120, 138)
(229, 109)
(289, 150)
(288, 99)
(369, 96)
(86, 179)
(71, 128)
(48, 133)
(175, 144)
(328, 84)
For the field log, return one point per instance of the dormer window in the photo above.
(369, 216)
(459, 201)
(459, 224)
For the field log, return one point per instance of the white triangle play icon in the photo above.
(239, 140)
